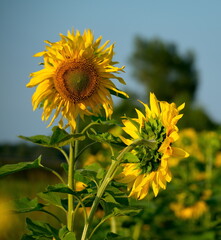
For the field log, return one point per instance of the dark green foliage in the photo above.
(167, 73)
(114, 236)
(40, 230)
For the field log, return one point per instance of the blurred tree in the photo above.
(159, 66)
(171, 76)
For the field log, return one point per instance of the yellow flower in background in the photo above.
(79, 186)
(190, 141)
(191, 212)
(218, 159)
(159, 126)
(75, 79)
(7, 218)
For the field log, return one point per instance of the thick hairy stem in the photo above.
(109, 176)
(71, 169)
(70, 185)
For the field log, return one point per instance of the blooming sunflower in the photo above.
(158, 126)
(75, 80)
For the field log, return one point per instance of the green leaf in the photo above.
(115, 203)
(128, 211)
(64, 234)
(69, 236)
(12, 168)
(41, 229)
(62, 188)
(27, 205)
(37, 139)
(114, 236)
(89, 174)
(59, 138)
(119, 196)
(51, 198)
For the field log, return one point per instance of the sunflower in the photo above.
(75, 80)
(157, 126)
(191, 212)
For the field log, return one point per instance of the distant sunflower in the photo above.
(158, 126)
(75, 80)
(190, 212)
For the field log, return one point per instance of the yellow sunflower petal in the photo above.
(154, 105)
(178, 152)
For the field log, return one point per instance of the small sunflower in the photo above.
(75, 80)
(159, 126)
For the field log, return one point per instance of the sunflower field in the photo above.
(136, 171)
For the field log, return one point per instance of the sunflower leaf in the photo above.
(25, 205)
(51, 198)
(12, 168)
(64, 234)
(41, 229)
(37, 139)
(59, 138)
(62, 188)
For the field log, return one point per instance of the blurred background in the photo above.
(170, 48)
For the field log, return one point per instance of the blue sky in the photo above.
(25, 24)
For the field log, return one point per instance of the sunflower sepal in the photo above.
(130, 158)
(105, 137)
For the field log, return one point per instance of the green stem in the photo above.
(88, 126)
(71, 169)
(70, 185)
(113, 224)
(137, 230)
(109, 176)
(98, 225)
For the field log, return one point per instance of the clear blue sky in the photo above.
(25, 24)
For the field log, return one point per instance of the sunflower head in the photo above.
(76, 78)
(157, 127)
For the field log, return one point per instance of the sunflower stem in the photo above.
(70, 185)
(71, 169)
(109, 176)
